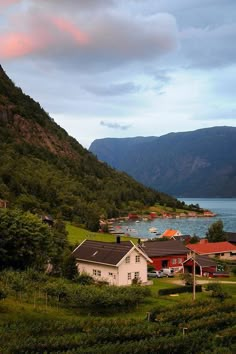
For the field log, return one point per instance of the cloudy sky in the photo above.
(119, 68)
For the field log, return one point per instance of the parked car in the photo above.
(168, 272)
(156, 274)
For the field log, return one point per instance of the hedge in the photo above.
(180, 290)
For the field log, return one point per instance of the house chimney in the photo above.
(139, 241)
(203, 241)
(117, 239)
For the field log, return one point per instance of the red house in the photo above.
(204, 265)
(166, 254)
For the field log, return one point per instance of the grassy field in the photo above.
(76, 235)
(41, 326)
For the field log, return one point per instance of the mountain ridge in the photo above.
(44, 170)
(200, 163)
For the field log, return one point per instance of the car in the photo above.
(156, 274)
(168, 272)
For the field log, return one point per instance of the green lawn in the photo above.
(76, 235)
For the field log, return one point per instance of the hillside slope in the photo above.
(200, 163)
(43, 169)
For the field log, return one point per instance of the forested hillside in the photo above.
(200, 163)
(43, 169)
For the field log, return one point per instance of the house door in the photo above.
(164, 263)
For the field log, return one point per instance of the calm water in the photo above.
(225, 208)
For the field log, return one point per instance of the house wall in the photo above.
(117, 275)
(108, 273)
(173, 261)
(133, 267)
(224, 255)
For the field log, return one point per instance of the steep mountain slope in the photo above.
(201, 163)
(43, 169)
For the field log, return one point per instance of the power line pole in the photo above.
(194, 276)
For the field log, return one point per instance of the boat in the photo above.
(152, 230)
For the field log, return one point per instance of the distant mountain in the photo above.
(44, 170)
(199, 163)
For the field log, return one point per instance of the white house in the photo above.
(115, 262)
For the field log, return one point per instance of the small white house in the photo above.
(118, 263)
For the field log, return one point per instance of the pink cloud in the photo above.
(7, 3)
(15, 45)
(43, 35)
(68, 27)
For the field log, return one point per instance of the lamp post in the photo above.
(184, 329)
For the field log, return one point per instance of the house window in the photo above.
(173, 261)
(94, 272)
(179, 260)
(222, 254)
(137, 259)
(97, 272)
(136, 275)
(129, 276)
(127, 259)
(110, 274)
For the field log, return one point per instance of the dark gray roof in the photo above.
(204, 261)
(231, 236)
(102, 252)
(164, 248)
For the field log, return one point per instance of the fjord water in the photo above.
(224, 208)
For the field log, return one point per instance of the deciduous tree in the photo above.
(215, 232)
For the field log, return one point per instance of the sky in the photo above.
(124, 68)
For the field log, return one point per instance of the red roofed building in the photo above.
(171, 234)
(166, 254)
(222, 250)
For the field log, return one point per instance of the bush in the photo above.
(180, 290)
(100, 298)
(233, 270)
(3, 294)
(188, 278)
(217, 291)
(84, 279)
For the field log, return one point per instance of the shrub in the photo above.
(233, 270)
(182, 289)
(217, 291)
(100, 298)
(84, 279)
(3, 294)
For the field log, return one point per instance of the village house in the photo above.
(204, 265)
(166, 254)
(221, 250)
(171, 234)
(118, 263)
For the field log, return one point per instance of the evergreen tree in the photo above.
(215, 232)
